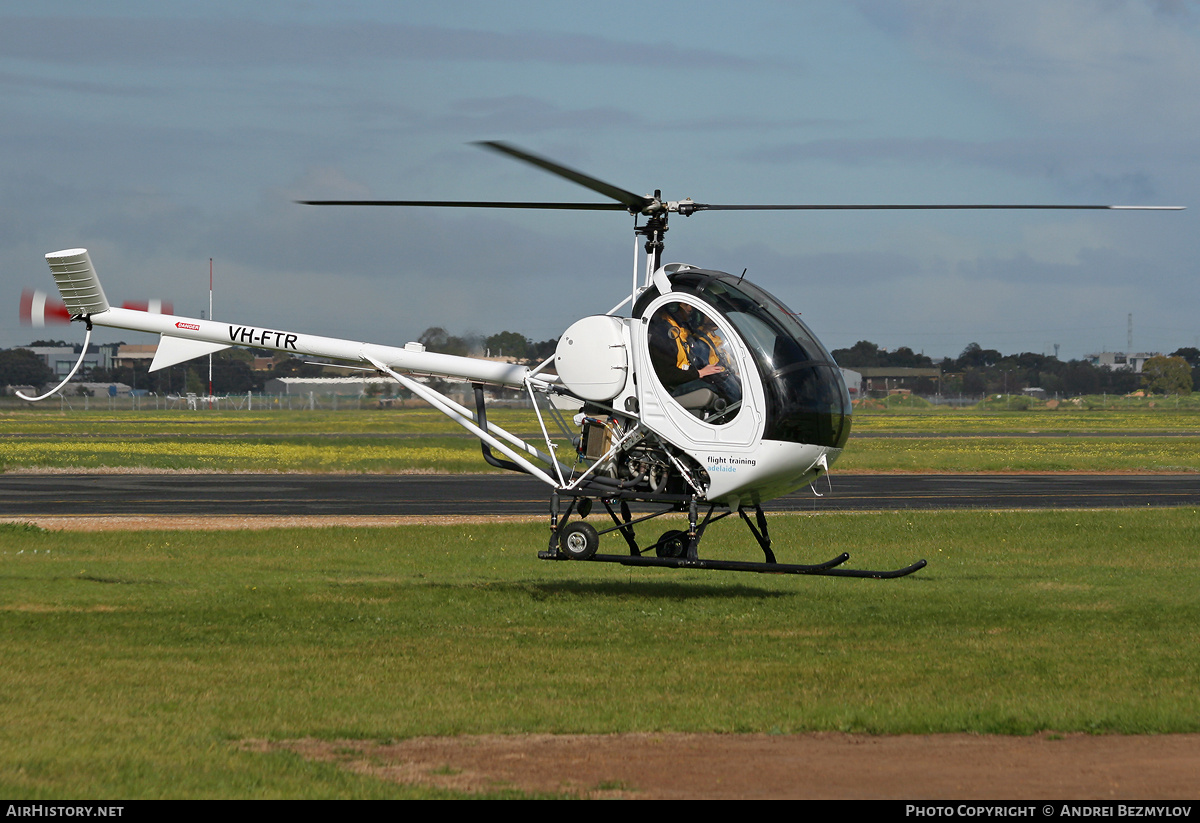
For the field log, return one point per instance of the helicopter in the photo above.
(699, 393)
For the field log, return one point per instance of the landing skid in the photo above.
(828, 568)
(579, 540)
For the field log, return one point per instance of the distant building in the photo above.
(1114, 360)
(129, 354)
(99, 389)
(61, 359)
(880, 381)
(854, 383)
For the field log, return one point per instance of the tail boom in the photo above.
(188, 337)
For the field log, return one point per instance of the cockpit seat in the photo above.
(701, 400)
(697, 399)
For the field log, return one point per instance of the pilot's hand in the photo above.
(711, 369)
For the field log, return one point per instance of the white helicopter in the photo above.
(709, 397)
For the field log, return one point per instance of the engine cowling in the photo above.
(592, 358)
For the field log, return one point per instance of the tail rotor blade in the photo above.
(38, 309)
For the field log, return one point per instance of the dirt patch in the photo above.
(133, 522)
(756, 766)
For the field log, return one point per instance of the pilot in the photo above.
(688, 353)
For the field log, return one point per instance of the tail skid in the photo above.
(87, 339)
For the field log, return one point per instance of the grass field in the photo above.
(135, 663)
(422, 440)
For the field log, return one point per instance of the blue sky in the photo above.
(159, 135)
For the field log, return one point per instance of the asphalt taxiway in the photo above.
(32, 495)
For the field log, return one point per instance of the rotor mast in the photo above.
(654, 230)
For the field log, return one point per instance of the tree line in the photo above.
(502, 344)
(980, 371)
(976, 371)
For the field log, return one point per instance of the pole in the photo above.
(210, 317)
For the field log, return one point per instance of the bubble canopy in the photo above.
(806, 398)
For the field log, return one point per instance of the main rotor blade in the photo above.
(635, 203)
(468, 204)
(761, 207)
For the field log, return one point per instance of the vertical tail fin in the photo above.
(77, 282)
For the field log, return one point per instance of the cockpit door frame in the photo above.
(660, 412)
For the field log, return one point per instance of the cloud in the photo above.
(23, 83)
(167, 42)
(1127, 65)
(523, 114)
(1070, 164)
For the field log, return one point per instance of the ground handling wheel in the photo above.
(672, 544)
(579, 541)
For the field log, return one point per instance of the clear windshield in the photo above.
(693, 362)
(807, 400)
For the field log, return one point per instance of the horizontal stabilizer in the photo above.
(173, 350)
(77, 282)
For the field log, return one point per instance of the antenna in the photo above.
(210, 317)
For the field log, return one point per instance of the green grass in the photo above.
(948, 421)
(134, 663)
(383, 442)
(451, 455)
(1021, 454)
(440, 454)
(32, 421)
(422, 440)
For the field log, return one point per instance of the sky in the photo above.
(160, 135)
